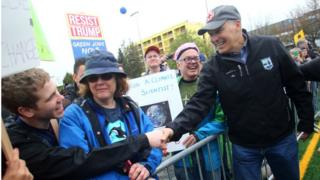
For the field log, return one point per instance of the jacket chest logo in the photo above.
(266, 63)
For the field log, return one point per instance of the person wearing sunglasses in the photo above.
(106, 117)
(35, 100)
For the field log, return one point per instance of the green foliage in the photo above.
(67, 78)
(61, 89)
(172, 64)
(203, 43)
(131, 59)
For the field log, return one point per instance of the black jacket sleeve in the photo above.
(199, 104)
(46, 162)
(311, 69)
(296, 89)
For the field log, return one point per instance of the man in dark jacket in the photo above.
(254, 75)
(71, 90)
(35, 99)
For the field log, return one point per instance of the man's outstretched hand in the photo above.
(159, 138)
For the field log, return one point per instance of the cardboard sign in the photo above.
(82, 47)
(86, 34)
(17, 44)
(158, 95)
(84, 26)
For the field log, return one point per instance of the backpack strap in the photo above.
(55, 126)
(135, 108)
(94, 123)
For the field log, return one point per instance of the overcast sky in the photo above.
(153, 17)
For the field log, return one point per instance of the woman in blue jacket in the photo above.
(106, 117)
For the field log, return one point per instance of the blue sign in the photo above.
(81, 47)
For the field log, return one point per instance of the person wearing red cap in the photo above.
(153, 60)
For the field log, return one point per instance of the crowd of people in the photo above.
(244, 89)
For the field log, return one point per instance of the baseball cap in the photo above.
(218, 16)
(101, 62)
(152, 48)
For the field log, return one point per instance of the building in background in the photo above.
(285, 30)
(164, 38)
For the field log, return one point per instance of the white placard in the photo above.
(159, 97)
(17, 44)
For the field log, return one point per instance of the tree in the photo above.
(131, 59)
(307, 18)
(67, 79)
(121, 57)
(202, 42)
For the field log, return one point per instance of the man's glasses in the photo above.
(189, 59)
(95, 77)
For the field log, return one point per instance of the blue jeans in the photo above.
(282, 158)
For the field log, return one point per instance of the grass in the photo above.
(314, 166)
(312, 172)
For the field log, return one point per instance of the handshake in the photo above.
(158, 138)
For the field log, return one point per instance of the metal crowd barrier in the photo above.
(225, 149)
(165, 165)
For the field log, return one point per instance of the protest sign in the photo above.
(17, 42)
(86, 34)
(18, 49)
(158, 95)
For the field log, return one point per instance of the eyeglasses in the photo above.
(95, 77)
(189, 59)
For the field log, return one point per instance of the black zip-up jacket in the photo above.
(254, 95)
(46, 161)
(311, 69)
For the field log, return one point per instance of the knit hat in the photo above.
(101, 62)
(218, 16)
(182, 48)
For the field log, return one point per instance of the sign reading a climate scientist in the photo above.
(86, 34)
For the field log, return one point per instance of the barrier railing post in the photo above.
(185, 167)
(199, 165)
(210, 157)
